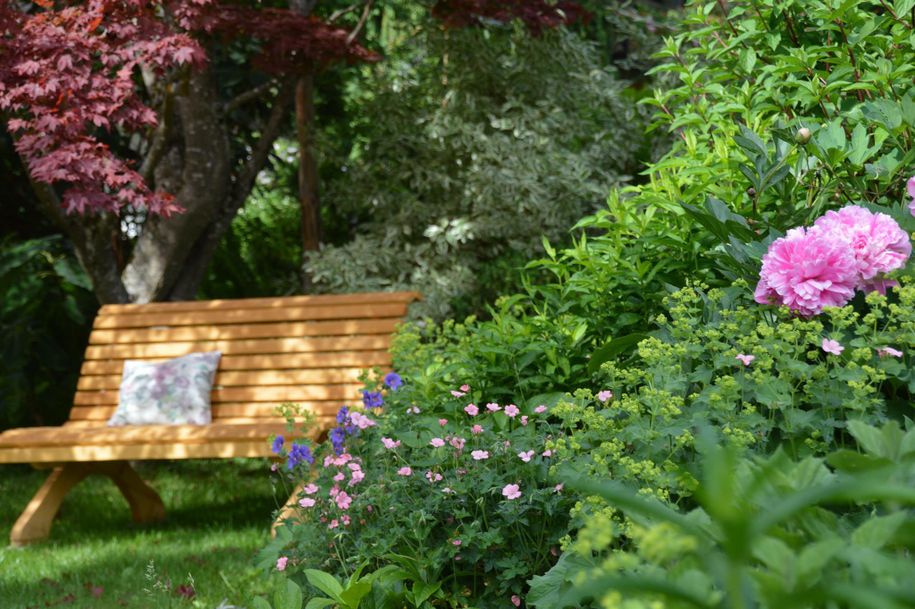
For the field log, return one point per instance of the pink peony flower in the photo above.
(493, 407)
(888, 351)
(516, 600)
(458, 443)
(472, 410)
(389, 443)
(540, 409)
(307, 502)
(910, 186)
(807, 271)
(511, 491)
(479, 455)
(878, 244)
(746, 360)
(404, 471)
(437, 442)
(281, 563)
(476, 430)
(604, 395)
(512, 410)
(832, 346)
(526, 456)
(311, 488)
(442, 422)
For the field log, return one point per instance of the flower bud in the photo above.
(802, 136)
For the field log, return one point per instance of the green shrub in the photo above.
(767, 532)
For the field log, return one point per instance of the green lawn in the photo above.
(218, 518)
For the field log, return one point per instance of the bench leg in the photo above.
(289, 511)
(34, 524)
(145, 503)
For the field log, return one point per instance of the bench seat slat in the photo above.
(257, 303)
(281, 393)
(237, 316)
(266, 361)
(239, 347)
(242, 378)
(139, 434)
(224, 409)
(237, 331)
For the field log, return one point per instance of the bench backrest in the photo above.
(303, 349)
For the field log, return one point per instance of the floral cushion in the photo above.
(174, 392)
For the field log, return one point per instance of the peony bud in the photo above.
(802, 136)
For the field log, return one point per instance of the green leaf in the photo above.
(353, 595)
(869, 438)
(614, 348)
(319, 602)
(324, 582)
(878, 530)
(422, 591)
(288, 595)
(259, 602)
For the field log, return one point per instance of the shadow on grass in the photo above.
(218, 517)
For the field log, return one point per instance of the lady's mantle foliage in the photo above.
(845, 251)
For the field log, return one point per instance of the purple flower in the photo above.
(342, 415)
(277, 445)
(299, 453)
(337, 436)
(393, 380)
(372, 399)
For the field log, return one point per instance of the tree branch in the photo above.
(248, 96)
(365, 15)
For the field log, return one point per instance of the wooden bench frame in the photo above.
(308, 350)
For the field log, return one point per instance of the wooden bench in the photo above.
(308, 350)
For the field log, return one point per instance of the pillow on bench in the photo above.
(173, 392)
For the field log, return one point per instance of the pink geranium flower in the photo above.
(472, 410)
(433, 477)
(888, 352)
(526, 455)
(404, 471)
(540, 409)
(604, 395)
(360, 420)
(311, 488)
(832, 346)
(516, 600)
(458, 443)
(343, 500)
(524, 420)
(512, 410)
(746, 360)
(493, 407)
(479, 455)
(307, 502)
(511, 491)
(281, 563)
(389, 443)
(465, 387)
(456, 542)
(547, 453)
(476, 430)
(807, 271)
(437, 442)
(442, 422)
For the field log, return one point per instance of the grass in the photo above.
(219, 515)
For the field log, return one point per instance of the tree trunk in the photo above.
(309, 202)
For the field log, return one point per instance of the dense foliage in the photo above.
(759, 445)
